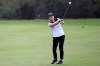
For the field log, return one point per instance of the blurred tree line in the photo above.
(31, 9)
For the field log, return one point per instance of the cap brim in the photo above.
(50, 15)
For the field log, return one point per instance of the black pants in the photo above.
(60, 41)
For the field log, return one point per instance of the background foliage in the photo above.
(31, 9)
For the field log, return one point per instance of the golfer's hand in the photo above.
(61, 21)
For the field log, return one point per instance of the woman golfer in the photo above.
(58, 37)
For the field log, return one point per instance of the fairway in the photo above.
(29, 43)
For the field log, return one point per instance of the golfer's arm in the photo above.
(54, 24)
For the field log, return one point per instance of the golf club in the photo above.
(66, 10)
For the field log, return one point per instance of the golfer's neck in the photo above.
(51, 21)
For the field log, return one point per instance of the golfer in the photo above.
(58, 38)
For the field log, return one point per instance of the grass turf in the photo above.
(29, 43)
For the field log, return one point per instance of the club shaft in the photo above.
(66, 11)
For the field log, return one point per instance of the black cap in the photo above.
(50, 14)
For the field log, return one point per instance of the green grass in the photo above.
(29, 43)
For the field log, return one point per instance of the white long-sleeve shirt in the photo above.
(57, 30)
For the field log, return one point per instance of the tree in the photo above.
(31, 9)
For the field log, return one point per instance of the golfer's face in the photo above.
(51, 18)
